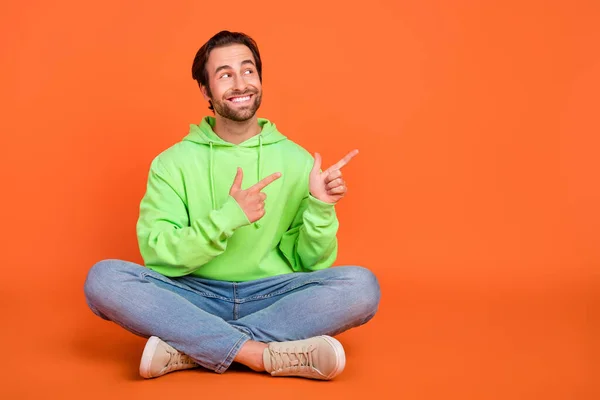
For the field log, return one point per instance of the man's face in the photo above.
(235, 88)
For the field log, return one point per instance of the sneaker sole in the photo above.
(340, 356)
(146, 361)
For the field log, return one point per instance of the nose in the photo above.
(239, 83)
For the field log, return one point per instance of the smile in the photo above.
(241, 99)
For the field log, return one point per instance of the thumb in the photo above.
(317, 165)
(237, 181)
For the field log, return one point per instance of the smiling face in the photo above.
(234, 87)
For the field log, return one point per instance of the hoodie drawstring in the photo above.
(211, 171)
(259, 170)
(212, 179)
(259, 158)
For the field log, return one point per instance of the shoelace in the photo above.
(292, 359)
(176, 359)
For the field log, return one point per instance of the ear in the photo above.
(204, 91)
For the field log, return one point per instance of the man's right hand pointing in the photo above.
(251, 200)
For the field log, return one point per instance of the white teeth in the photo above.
(240, 99)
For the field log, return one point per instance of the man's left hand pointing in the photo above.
(329, 186)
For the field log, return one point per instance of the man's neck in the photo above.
(236, 132)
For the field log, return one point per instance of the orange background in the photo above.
(474, 198)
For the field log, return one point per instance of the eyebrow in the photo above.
(222, 67)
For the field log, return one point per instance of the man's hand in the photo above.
(329, 186)
(251, 200)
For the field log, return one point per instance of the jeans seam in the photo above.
(187, 289)
(235, 302)
(245, 330)
(266, 296)
(222, 367)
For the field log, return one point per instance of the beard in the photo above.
(239, 114)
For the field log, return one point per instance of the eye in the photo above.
(248, 71)
(225, 75)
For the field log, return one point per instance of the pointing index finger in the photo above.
(343, 161)
(264, 182)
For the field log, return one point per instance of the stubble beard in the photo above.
(240, 114)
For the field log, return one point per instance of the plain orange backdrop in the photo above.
(474, 197)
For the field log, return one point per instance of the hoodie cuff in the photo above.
(322, 211)
(233, 213)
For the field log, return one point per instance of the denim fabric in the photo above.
(211, 320)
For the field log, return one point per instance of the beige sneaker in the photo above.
(320, 357)
(159, 358)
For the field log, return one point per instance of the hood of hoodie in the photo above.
(203, 134)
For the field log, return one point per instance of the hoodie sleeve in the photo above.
(169, 242)
(311, 242)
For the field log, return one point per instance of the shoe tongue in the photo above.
(267, 360)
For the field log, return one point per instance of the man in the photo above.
(237, 230)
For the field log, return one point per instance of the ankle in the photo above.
(251, 355)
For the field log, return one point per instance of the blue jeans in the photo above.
(210, 320)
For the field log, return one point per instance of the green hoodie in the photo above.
(189, 224)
